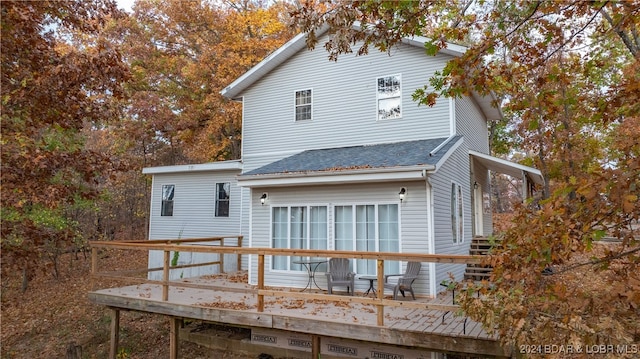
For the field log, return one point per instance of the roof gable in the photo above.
(298, 43)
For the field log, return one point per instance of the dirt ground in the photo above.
(54, 316)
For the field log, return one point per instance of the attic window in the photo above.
(303, 105)
(389, 97)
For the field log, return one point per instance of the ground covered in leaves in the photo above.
(54, 315)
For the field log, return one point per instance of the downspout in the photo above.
(250, 279)
(151, 208)
(430, 235)
(452, 116)
(241, 227)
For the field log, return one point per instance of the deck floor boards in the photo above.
(323, 313)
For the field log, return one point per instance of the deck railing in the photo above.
(200, 245)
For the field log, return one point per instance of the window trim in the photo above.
(218, 200)
(379, 98)
(295, 105)
(165, 209)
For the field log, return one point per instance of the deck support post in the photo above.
(315, 346)
(380, 292)
(94, 266)
(260, 282)
(221, 256)
(239, 261)
(115, 333)
(174, 334)
(165, 276)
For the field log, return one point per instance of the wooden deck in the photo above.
(426, 324)
(428, 329)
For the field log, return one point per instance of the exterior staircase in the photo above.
(479, 246)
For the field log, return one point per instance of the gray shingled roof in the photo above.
(387, 155)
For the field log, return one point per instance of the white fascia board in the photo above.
(451, 49)
(270, 62)
(339, 177)
(212, 166)
(507, 167)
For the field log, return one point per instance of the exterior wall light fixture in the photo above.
(263, 199)
(402, 194)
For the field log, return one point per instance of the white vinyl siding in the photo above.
(194, 217)
(455, 168)
(412, 222)
(471, 123)
(343, 115)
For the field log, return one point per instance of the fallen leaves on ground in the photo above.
(54, 314)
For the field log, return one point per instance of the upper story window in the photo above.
(389, 97)
(303, 105)
(222, 199)
(167, 200)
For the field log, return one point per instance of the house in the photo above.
(336, 155)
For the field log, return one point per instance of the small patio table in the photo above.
(311, 266)
(371, 279)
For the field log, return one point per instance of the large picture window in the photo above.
(298, 227)
(389, 97)
(167, 200)
(457, 213)
(303, 105)
(222, 199)
(368, 228)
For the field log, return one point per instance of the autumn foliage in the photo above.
(567, 74)
(51, 91)
(91, 95)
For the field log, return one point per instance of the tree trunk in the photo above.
(74, 351)
(25, 280)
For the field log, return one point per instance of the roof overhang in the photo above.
(405, 173)
(507, 167)
(201, 167)
(270, 62)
